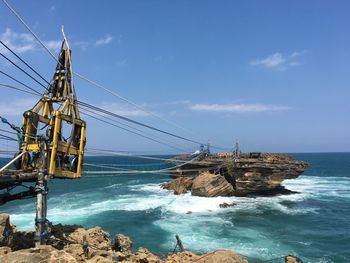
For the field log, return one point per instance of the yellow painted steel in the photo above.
(65, 155)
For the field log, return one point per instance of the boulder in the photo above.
(292, 259)
(22, 240)
(210, 185)
(122, 243)
(179, 185)
(226, 205)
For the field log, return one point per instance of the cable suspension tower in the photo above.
(45, 151)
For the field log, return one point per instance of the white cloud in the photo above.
(24, 42)
(16, 107)
(279, 61)
(54, 44)
(105, 40)
(237, 107)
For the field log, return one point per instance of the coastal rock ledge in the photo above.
(247, 175)
(73, 244)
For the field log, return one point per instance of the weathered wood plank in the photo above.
(13, 176)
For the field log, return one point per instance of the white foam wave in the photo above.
(321, 187)
(203, 233)
(75, 207)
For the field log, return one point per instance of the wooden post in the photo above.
(179, 243)
(41, 200)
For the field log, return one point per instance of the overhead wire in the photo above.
(92, 106)
(124, 124)
(18, 89)
(7, 137)
(85, 78)
(124, 154)
(91, 82)
(25, 63)
(136, 122)
(20, 82)
(18, 67)
(155, 140)
(128, 101)
(120, 127)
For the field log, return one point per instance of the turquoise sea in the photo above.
(313, 224)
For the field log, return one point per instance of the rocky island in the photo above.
(235, 174)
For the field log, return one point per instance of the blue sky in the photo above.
(273, 74)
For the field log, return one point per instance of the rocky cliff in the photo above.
(249, 174)
(73, 244)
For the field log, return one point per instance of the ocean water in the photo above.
(313, 223)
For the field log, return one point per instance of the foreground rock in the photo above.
(74, 244)
(250, 174)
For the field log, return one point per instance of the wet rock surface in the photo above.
(261, 175)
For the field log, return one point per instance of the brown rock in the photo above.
(76, 250)
(22, 240)
(179, 185)
(5, 250)
(226, 205)
(181, 257)
(210, 185)
(44, 254)
(221, 256)
(292, 259)
(122, 243)
(144, 256)
(95, 237)
(99, 259)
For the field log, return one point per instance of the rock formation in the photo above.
(249, 174)
(74, 244)
(209, 185)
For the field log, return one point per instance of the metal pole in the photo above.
(41, 201)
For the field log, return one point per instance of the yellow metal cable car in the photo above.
(54, 114)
